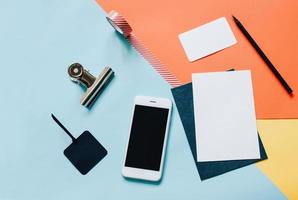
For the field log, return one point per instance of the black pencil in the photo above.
(263, 56)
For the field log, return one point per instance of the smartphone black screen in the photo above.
(147, 136)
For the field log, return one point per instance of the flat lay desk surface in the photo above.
(272, 23)
(39, 39)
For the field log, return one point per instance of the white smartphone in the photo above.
(147, 140)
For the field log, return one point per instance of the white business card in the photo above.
(207, 39)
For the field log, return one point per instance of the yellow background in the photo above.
(280, 138)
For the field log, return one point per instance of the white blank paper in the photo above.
(225, 117)
(207, 39)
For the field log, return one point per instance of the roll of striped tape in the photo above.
(123, 27)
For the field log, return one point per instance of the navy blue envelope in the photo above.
(184, 101)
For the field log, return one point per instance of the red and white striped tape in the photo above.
(122, 26)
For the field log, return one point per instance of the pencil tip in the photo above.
(234, 17)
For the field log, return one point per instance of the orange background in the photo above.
(272, 23)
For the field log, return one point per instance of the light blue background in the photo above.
(38, 40)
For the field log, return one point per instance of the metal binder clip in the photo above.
(94, 85)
